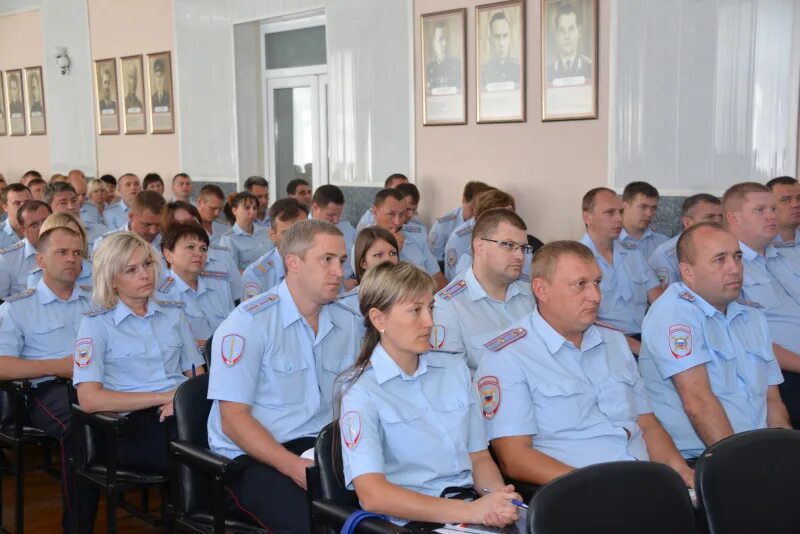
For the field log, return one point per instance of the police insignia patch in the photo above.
(453, 289)
(251, 289)
(451, 258)
(680, 340)
(437, 336)
(685, 295)
(232, 348)
(446, 218)
(663, 276)
(506, 338)
(489, 389)
(350, 425)
(83, 352)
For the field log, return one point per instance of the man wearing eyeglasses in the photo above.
(490, 294)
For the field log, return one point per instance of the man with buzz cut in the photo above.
(488, 295)
(12, 197)
(696, 209)
(786, 193)
(18, 260)
(116, 215)
(259, 188)
(391, 182)
(707, 360)
(639, 205)
(561, 392)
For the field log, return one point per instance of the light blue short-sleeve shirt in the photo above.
(441, 230)
(418, 430)
(7, 235)
(464, 310)
(416, 250)
(116, 215)
(681, 331)
(16, 263)
(266, 355)
(129, 353)
(664, 262)
(458, 243)
(263, 274)
(580, 404)
(624, 287)
(220, 259)
(649, 241)
(84, 281)
(246, 248)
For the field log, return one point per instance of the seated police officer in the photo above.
(444, 225)
(771, 279)
(268, 270)
(707, 360)
(37, 330)
(327, 204)
(274, 363)
(696, 209)
(628, 283)
(63, 198)
(116, 215)
(560, 392)
(487, 296)
(786, 193)
(144, 219)
(639, 205)
(245, 240)
(11, 198)
(18, 260)
(368, 218)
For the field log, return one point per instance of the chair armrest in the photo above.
(334, 515)
(112, 422)
(16, 387)
(202, 459)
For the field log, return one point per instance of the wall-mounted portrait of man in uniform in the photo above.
(132, 72)
(34, 89)
(16, 102)
(3, 123)
(569, 45)
(443, 50)
(500, 61)
(160, 94)
(105, 75)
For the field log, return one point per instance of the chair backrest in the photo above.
(618, 497)
(207, 352)
(748, 482)
(191, 408)
(331, 472)
(6, 411)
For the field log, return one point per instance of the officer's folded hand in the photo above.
(495, 509)
(165, 411)
(63, 367)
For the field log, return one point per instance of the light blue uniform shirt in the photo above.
(16, 263)
(624, 287)
(789, 249)
(441, 230)
(90, 214)
(368, 219)
(465, 262)
(218, 229)
(647, 244)
(94, 231)
(772, 284)
(417, 430)
(682, 330)
(84, 281)
(266, 355)
(349, 234)
(116, 215)
(459, 242)
(7, 235)
(416, 250)
(206, 307)
(128, 353)
(220, 259)
(664, 262)
(264, 224)
(263, 274)
(38, 325)
(463, 310)
(127, 228)
(576, 402)
(246, 248)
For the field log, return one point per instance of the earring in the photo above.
(382, 331)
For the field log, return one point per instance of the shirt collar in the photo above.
(121, 311)
(476, 291)
(734, 308)
(623, 235)
(8, 229)
(587, 240)
(386, 368)
(555, 341)
(183, 287)
(30, 250)
(46, 295)
(237, 230)
(749, 254)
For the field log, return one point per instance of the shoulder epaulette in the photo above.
(229, 232)
(34, 271)
(97, 311)
(784, 244)
(685, 295)
(85, 287)
(170, 303)
(265, 265)
(111, 232)
(464, 231)
(608, 325)
(411, 228)
(257, 305)
(524, 277)
(505, 339)
(748, 302)
(215, 274)
(16, 246)
(166, 284)
(346, 294)
(218, 247)
(346, 307)
(672, 252)
(453, 289)
(627, 245)
(22, 295)
(446, 218)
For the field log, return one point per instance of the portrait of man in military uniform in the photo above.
(443, 52)
(15, 105)
(568, 64)
(501, 71)
(443, 71)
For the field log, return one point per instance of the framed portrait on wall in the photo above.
(34, 99)
(500, 61)
(443, 49)
(16, 102)
(159, 92)
(133, 111)
(107, 96)
(569, 59)
(3, 123)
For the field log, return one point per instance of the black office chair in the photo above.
(618, 497)
(15, 434)
(207, 353)
(200, 475)
(749, 482)
(526, 489)
(330, 502)
(98, 431)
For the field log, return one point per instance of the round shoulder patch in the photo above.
(489, 388)
(350, 425)
(232, 349)
(680, 340)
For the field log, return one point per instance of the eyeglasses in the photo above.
(510, 246)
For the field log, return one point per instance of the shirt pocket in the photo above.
(757, 366)
(617, 396)
(559, 405)
(636, 288)
(126, 350)
(759, 288)
(289, 372)
(722, 372)
(403, 426)
(52, 339)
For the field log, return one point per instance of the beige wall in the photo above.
(546, 166)
(122, 28)
(21, 46)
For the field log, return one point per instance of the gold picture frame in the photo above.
(3, 113)
(106, 96)
(161, 98)
(15, 93)
(34, 101)
(134, 108)
(443, 55)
